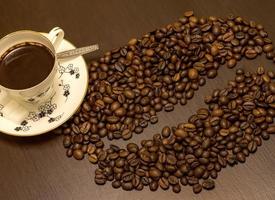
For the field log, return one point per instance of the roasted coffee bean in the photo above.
(69, 153)
(271, 129)
(208, 184)
(199, 171)
(127, 186)
(250, 53)
(268, 48)
(252, 146)
(173, 180)
(78, 154)
(67, 141)
(154, 173)
(154, 119)
(231, 63)
(188, 13)
(153, 185)
(116, 184)
(212, 73)
(197, 188)
(214, 50)
(193, 74)
(100, 181)
(126, 134)
(176, 188)
(85, 127)
(181, 133)
(129, 94)
(169, 107)
(163, 183)
(93, 158)
(166, 131)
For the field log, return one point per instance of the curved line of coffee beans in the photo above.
(129, 85)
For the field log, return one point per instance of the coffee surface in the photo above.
(25, 65)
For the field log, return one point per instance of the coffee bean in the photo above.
(153, 185)
(170, 159)
(132, 147)
(154, 119)
(212, 73)
(248, 105)
(163, 183)
(181, 133)
(231, 63)
(197, 188)
(126, 134)
(214, 50)
(154, 173)
(240, 157)
(132, 42)
(188, 13)
(193, 74)
(85, 127)
(176, 188)
(120, 112)
(169, 107)
(67, 141)
(129, 94)
(224, 132)
(112, 119)
(93, 158)
(116, 184)
(69, 152)
(271, 129)
(149, 52)
(250, 53)
(127, 186)
(100, 181)
(268, 48)
(199, 171)
(78, 154)
(208, 184)
(252, 146)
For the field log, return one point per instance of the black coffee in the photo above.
(25, 65)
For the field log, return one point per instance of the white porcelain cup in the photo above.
(43, 90)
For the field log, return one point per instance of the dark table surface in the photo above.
(37, 167)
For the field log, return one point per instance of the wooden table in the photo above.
(37, 168)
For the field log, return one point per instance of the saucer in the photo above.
(70, 86)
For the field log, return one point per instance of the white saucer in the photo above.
(71, 83)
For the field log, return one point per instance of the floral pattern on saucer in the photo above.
(66, 88)
(1, 108)
(44, 110)
(70, 69)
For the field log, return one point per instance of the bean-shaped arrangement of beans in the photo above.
(129, 85)
(233, 126)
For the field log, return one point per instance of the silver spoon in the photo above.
(77, 51)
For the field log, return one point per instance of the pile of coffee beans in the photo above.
(128, 86)
(236, 121)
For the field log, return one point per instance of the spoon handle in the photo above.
(77, 51)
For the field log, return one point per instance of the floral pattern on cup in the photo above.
(34, 99)
(44, 110)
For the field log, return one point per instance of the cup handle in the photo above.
(56, 36)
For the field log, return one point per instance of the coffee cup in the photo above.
(28, 64)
